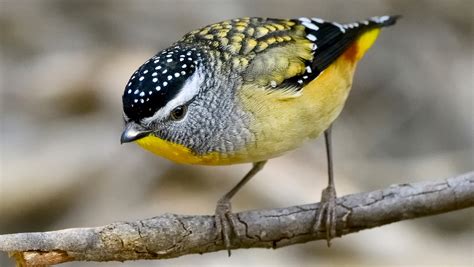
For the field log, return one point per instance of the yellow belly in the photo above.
(281, 122)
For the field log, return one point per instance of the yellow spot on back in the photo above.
(224, 41)
(250, 31)
(242, 24)
(240, 28)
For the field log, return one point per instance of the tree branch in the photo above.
(169, 235)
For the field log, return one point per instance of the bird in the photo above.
(247, 90)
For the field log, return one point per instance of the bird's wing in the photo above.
(279, 53)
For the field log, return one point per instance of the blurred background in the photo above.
(64, 65)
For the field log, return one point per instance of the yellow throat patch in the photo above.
(181, 154)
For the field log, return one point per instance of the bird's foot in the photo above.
(225, 222)
(327, 214)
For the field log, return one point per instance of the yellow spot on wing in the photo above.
(262, 46)
(261, 31)
(250, 44)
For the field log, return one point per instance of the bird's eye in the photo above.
(178, 113)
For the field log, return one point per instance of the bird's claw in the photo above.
(327, 211)
(225, 222)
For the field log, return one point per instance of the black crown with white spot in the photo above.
(158, 81)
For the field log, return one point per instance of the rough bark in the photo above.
(170, 235)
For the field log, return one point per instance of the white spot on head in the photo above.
(176, 74)
(129, 91)
(142, 93)
(158, 68)
(136, 100)
(141, 78)
(150, 92)
(170, 77)
(165, 84)
(130, 83)
(165, 71)
(156, 61)
(155, 80)
(181, 59)
(189, 90)
(154, 74)
(136, 92)
(184, 66)
(145, 72)
(169, 60)
(142, 101)
(190, 59)
(158, 88)
(188, 54)
(133, 77)
(183, 72)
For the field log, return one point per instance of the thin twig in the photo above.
(169, 235)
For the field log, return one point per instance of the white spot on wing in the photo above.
(339, 26)
(310, 25)
(302, 19)
(318, 20)
(311, 37)
(381, 19)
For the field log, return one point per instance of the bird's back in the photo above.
(296, 79)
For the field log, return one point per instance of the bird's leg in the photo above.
(327, 210)
(224, 217)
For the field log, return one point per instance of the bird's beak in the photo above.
(132, 133)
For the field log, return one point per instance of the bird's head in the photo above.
(175, 96)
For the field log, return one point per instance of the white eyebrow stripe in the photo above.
(189, 90)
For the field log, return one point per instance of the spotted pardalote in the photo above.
(246, 90)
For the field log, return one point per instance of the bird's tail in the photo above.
(367, 38)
